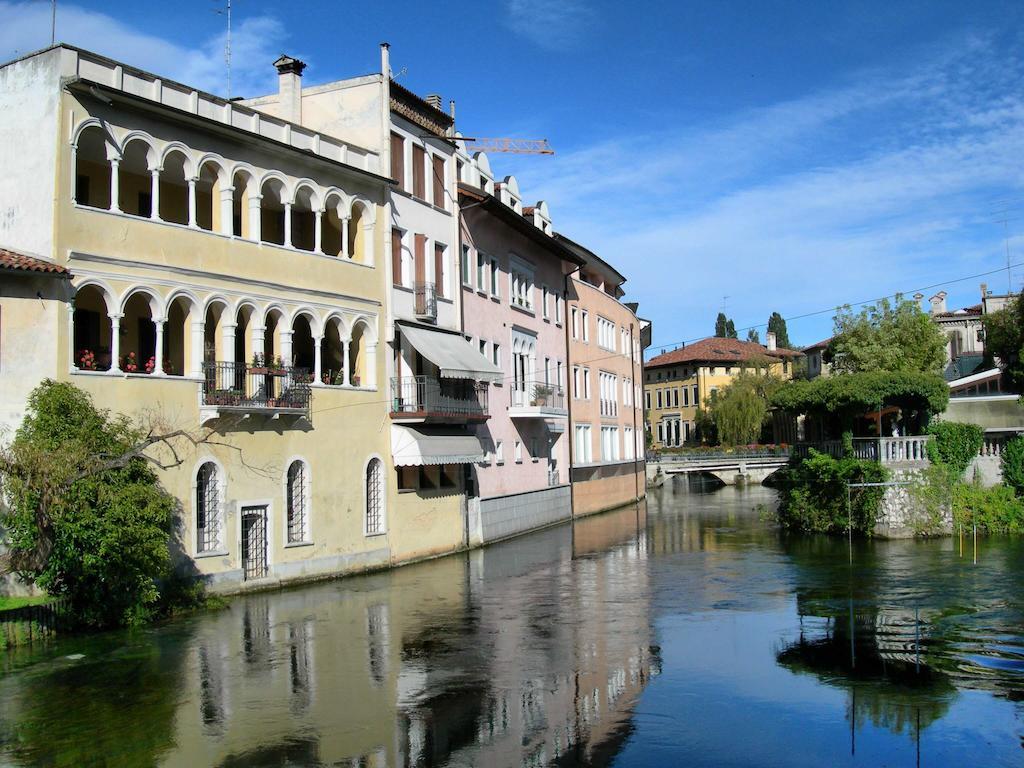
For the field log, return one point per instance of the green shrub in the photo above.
(994, 510)
(87, 529)
(1012, 463)
(955, 444)
(813, 494)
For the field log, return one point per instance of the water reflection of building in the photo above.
(516, 655)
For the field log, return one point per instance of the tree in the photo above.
(721, 325)
(753, 336)
(730, 329)
(887, 337)
(83, 512)
(740, 409)
(777, 325)
(1004, 340)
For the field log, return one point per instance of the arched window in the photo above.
(208, 508)
(374, 497)
(297, 498)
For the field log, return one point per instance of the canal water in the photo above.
(688, 631)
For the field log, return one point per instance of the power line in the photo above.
(817, 312)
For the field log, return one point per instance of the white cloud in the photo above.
(554, 25)
(256, 42)
(882, 183)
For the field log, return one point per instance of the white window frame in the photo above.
(481, 271)
(307, 482)
(544, 293)
(499, 452)
(495, 278)
(383, 525)
(517, 451)
(220, 545)
(466, 266)
(585, 321)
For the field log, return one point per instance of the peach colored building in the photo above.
(605, 340)
(513, 283)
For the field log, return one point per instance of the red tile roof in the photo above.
(717, 350)
(24, 263)
(974, 309)
(819, 345)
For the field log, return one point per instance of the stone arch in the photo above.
(182, 349)
(93, 149)
(92, 330)
(211, 183)
(176, 177)
(142, 318)
(245, 209)
(332, 350)
(333, 227)
(274, 199)
(360, 231)
(304, 211)
(139, 161)
(362, 353)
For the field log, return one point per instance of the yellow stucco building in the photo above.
(188, 259)
(679, 383)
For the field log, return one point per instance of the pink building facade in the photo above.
(513, 276)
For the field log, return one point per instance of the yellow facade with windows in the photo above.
(222, 270)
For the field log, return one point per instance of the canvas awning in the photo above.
(452, 354)
(412, 447)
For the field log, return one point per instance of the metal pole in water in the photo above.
(917, 642)
(961, 526)
(849, 523)
(853, 653)
(975, 543)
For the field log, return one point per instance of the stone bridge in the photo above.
(731, 469)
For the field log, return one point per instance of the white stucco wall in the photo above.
(29, 98)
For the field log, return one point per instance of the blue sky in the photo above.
(791, 156)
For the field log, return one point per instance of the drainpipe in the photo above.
(571, 436)
(632, 399)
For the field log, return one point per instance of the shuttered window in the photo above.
(439, 269)
(396, 256)
(398, 160)
(438, 167)
(419, 159)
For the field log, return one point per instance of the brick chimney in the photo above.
(289, 82)
(938, 302)
(769, 341)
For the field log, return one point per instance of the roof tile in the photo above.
(24, 263)
(718, 350)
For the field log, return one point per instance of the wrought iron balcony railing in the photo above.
(244, 387)
(424, 397)
(426, 300)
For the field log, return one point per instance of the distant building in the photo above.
(965, 333)
(679, 383)
(816, 363)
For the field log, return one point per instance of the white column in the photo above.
(287, 225)
(115, 204)
(115, 342)
(318, 232)
(317, 364)
(344, 238)
(158, 362)
(228, 355)
(259, 338)
(154, 195)
(198, 342)
(286, 348)
(192, 202)
(346, 377)
(227, 211)
(255, 218)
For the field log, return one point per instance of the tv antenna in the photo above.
(1003, 217)
(53, 22)
(227, 43)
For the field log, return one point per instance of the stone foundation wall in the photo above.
(902, 514)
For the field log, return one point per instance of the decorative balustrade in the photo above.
(244, 387)
(425, 300)
(424, 397)
(554, 478)
(885, 450)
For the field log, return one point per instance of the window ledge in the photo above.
(297, 544)
(525, 310)
(379, 533)
(213, 553)
(496, 298)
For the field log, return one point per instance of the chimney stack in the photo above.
(385, 60)
(938, 302)
(984, 291)
(434, 100)
(769, 341)
(289, 83)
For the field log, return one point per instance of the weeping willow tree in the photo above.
(740, 409)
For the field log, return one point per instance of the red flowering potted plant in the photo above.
(151, 364)
(129, 363)
(86, 360)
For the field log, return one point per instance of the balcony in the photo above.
(885, 450)
(426, 399)
(240, 388)
(425, 306)
(538, 401)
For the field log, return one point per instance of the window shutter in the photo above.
(398, 159)
(439, 269)
(438, 163)
(418, 161)
(396, 256)
(421, 259)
